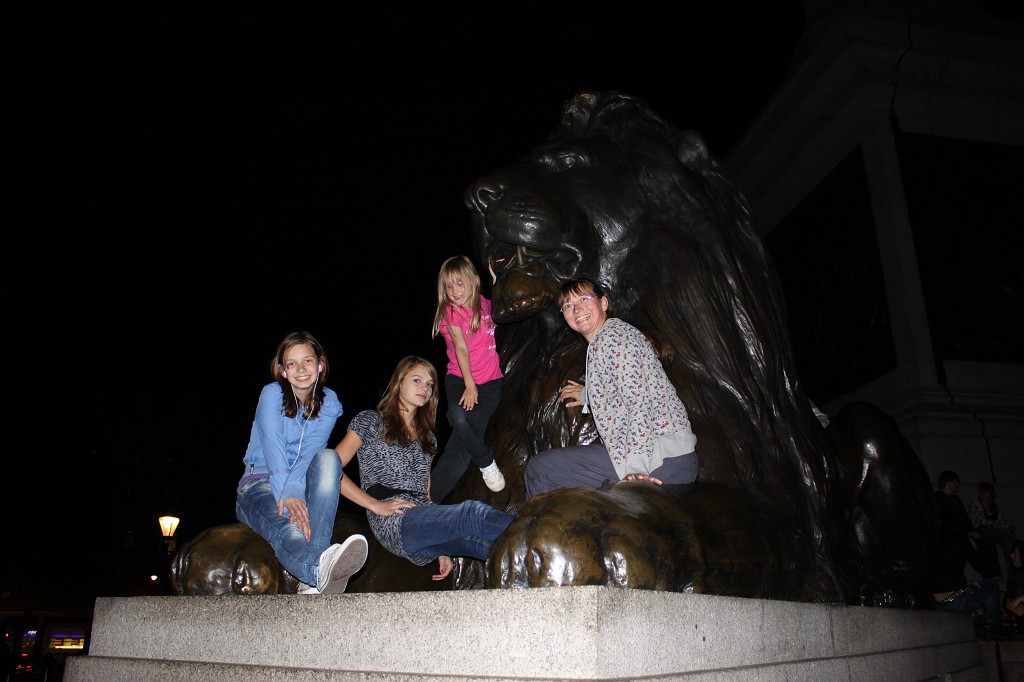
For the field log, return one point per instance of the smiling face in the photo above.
(301, 367)
(456, 290)
(585, 312)
(416, 389)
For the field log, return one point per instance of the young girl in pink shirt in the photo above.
(473, 381)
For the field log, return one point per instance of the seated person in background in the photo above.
(1013, 600)
(987, 520)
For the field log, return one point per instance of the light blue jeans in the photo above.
(256, 507)
(464, 529)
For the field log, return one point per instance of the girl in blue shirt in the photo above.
(289, 490)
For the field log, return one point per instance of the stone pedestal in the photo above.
(591, 633)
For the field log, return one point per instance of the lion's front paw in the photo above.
(629, 535)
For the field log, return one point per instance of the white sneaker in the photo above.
(306, 589)
(339, 562)
(493, 477)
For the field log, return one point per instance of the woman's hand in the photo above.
(298, 515)
(643, 477)
(395, 505)
(470, 397)
(571, 394)
(446, 568)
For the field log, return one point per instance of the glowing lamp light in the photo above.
(153, 578)
(168, 524)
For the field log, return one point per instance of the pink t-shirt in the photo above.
(483, 353)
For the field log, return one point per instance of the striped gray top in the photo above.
(406, 467)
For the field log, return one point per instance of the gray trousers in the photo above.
(589, 466)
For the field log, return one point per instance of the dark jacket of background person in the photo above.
(953, 544)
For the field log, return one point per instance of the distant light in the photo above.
(153, 578)
(77, 644)
(168, 524)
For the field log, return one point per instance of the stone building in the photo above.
(886, 175)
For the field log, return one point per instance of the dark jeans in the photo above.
(985, 558)
(983, 595)
(467, 440)
(465, 529)
(1001, 537)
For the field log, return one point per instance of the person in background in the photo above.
(472, 384)
(1013, 599)
(987, 520)
(289, 488)
(956, 541)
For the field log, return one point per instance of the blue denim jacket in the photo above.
(274, 443)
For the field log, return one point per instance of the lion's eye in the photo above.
(564, 162)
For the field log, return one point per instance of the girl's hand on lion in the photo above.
(571, 393)
(643, 477)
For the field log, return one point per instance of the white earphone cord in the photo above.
(302, 434)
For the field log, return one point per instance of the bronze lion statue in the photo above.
(782, 508)
(229, 559)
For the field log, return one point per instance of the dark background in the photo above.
(193, 181)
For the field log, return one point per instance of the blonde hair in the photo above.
(457, 267)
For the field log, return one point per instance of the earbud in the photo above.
(321, 367)
(284, 374)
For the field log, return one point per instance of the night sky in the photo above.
(193, 181)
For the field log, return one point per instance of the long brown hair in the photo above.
(390, 409)
(289, 403)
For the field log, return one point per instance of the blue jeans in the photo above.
(590, 466)
(256, 507)
(467, 440)
(465, 529)
(1002, 537)
(983, 595)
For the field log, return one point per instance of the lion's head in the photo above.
(620, 195)
(229, 559)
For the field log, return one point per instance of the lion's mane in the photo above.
(675, 244)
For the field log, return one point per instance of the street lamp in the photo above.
(169, 524)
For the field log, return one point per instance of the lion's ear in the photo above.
(692, 151)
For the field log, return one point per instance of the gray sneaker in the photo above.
(306, 589)
(339, 562)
